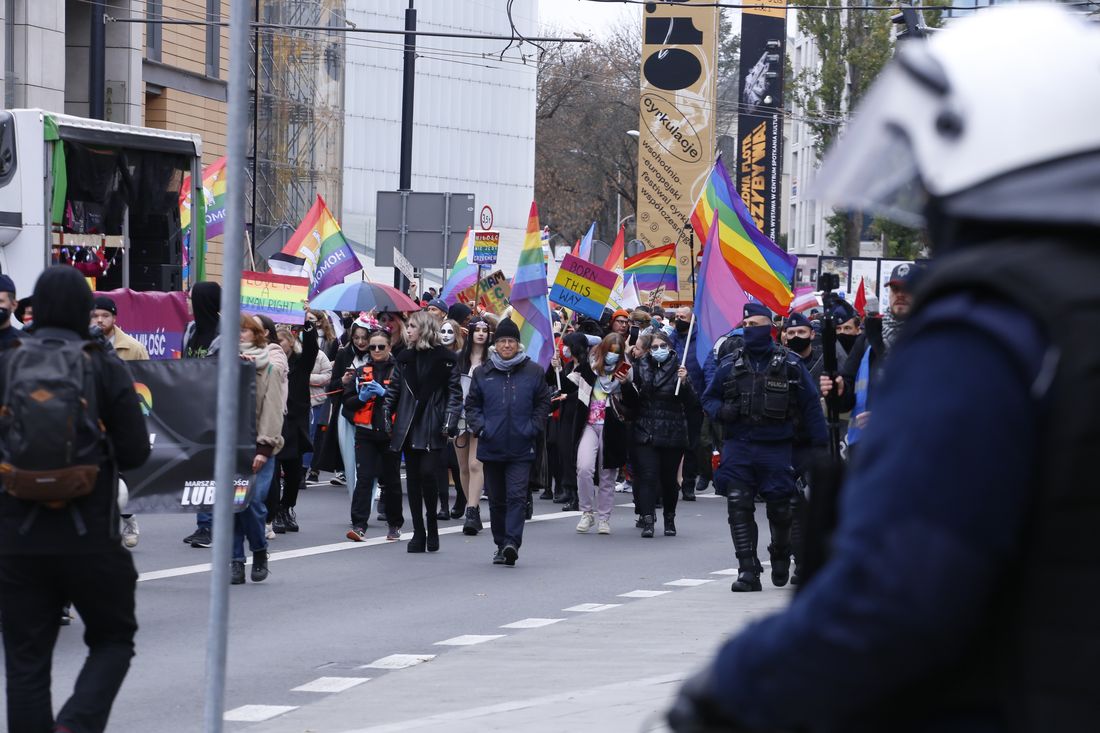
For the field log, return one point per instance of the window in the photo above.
(213, 39)
(154, 10)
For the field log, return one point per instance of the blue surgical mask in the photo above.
(661, 355)
(758, 338)
(610, 359)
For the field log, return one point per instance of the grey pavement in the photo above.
(615, 670)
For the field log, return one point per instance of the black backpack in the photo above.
(51, 438)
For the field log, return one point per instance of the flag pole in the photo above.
(687, 345)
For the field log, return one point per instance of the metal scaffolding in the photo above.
(298, 119)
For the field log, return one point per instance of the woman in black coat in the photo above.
(562, 430)
(423, 402)
(301, 355)
(660, 431)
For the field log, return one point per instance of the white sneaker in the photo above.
(604, 527)
(130, 532)
(269, 533)
(587, 520)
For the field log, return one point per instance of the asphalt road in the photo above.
(331, 605)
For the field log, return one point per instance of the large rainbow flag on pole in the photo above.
(210, 217)
(530, 306)
(317, 250)
(765, 271)
(463, 275)
(654, 269)
(719, 300)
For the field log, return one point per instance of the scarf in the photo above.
(260, 355)
(891, 329)
(506, 365)
(608, 384)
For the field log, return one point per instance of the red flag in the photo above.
(861, 299)
(615, 260)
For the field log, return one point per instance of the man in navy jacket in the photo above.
(506, 409)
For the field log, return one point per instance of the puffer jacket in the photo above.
(662, 415)
(507, 409)
(424, 398)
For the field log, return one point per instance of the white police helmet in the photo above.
(995, 118)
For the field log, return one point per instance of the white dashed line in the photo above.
(592, 607)
(727, 571)
(643, 593)
(689, 582)
(399, 661)
(469, 639)
(257, 713)
(531, 623)
(331, 684)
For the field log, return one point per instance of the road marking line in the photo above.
(690, 582)
(592, 607)
(643, 593)
(398, 661)
(257, 713)
(469, 639)
(709, 496)
(727, 571)
(330, 684)
(531, 623)
(325, 549)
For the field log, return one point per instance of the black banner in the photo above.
(759, 120)
(179, 399)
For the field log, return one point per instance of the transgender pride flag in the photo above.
(530, 306)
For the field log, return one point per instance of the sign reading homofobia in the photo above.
(485, 249)
(582, 286)
(176, 397)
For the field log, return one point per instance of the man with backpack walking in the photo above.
(69, 421)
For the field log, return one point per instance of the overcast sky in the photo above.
(585, 16)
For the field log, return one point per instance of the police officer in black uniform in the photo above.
(963, 588)
(756, 394)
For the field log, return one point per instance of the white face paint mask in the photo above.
(566, 353)
(447, 336)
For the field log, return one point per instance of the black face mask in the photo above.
(5, 315)
(682, 326)
(847, 340)
(798, 344)
(758, 339)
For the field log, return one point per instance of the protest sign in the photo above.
(176, 397)
(486, 246)
(582, 286)
(279, 297)
(156, 319)
(492, 293)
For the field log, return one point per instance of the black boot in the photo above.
(290, 520)
(278, 525)
(431, 543)
(670, 525)
(573, 503)
(472, 524)
(688, 490)
(648, 521)
(779, 520)
(701, 485)
(236, 572)
(259, 566)
(546, 494)
(743, 532)
(459, 509)
(416, 544)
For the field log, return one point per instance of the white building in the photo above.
(806, 218)
(474, 129)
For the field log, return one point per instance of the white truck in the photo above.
(100, 195)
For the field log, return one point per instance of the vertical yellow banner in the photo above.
(677, 119)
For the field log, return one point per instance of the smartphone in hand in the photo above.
(622, 368)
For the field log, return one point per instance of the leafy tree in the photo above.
(853, 46)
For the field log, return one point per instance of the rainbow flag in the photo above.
(616, 262)
(765, 271)
(530, 306)
(463, 275)
(654, 269)
(719, 299)
(317, 250)
(213, 190)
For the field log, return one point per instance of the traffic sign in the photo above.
(486, 217)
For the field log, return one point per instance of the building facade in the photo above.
(474, 119)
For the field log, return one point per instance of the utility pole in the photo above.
(407, 88)
(97, 60)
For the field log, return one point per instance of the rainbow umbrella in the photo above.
(363, 296)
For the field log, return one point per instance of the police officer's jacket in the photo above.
(963, 590)
(757, 397)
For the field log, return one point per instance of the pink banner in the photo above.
(155, 319)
